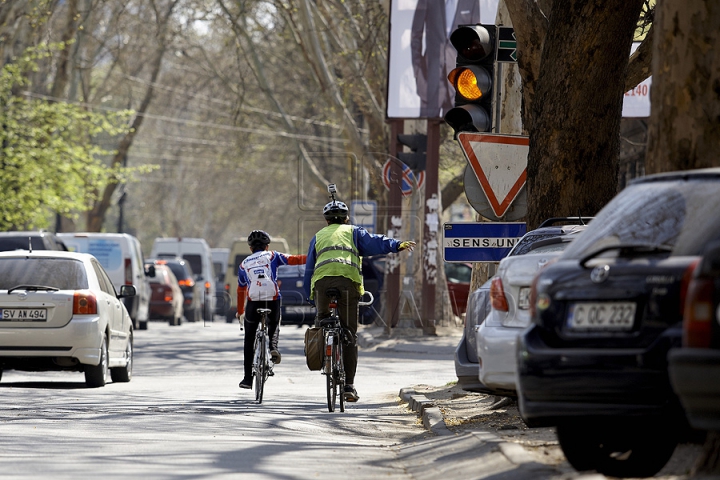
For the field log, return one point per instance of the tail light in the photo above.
(207, 286)
(227, 287)
(497, 295)
(186, 282)
(128, 272)
(533, 296)
(168, 297)
(697, 299)
(84, 303)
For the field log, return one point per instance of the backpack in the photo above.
(261, 285)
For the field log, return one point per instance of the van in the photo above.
(196, 252)
(121, 256)
(239, 251)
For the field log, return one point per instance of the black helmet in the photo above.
(258, 238)
(335, 209)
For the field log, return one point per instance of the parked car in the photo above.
(59, 311)
(509, 313)
(694, 367)
(192, 291)
(458, 284)
(220, 261)
(239, 251)
(196, 252)
(605, 314)
(121, 256)
(478, 307)
(166, 302)
(295, 309)
(34, 240)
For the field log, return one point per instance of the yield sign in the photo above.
(500, 165)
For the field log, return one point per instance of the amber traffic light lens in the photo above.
(467, 85)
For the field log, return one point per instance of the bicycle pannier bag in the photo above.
(314, 343)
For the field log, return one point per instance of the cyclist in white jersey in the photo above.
(257, 284)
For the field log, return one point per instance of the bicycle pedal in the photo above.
(271, 373)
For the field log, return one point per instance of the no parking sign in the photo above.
(408, 178)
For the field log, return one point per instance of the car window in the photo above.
(549, 248)
(195, 262)
(678, 214)
(238, 261)
(21, 242)
(105, 283)
(290, 271)
(526, 242)
(62, 273)
(458, 272)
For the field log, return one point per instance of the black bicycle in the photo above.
(262, 368)
(335, 338)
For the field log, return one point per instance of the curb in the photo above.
(432, 417)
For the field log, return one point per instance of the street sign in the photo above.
(363, 213)
(477, 200)
(480, 241)
(506, 45)
(500, 165)
(408, 178)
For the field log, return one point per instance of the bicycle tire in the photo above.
(340, 367)
(261, 374)
(330, 384)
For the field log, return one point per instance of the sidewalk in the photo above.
(481, 436)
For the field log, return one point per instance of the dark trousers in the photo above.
(252, 318)
(348, 313)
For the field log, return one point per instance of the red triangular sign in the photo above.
(500, 165)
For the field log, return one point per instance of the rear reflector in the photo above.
(84, 303)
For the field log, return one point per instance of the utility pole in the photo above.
(431, 232)
(394, 225)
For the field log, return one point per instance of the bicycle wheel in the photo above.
(330, 381)
(340, 368)
(261, 373)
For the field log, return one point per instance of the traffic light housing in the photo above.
(417, 143)
(473, 78)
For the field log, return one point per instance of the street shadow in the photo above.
(45, 385)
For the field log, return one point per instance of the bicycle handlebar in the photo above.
(372, 299)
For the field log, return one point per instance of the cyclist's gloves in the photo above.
(407, 245)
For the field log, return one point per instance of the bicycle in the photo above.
(335, 338)
(261, 367)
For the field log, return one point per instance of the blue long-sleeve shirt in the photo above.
(367, 244)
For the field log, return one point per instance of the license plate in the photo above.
(303, 309)
(601, 316)
(524, 298)
(23, 314)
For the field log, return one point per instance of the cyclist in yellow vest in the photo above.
(334, 261)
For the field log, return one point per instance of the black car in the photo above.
(605, 315)
(34, 240)
(695, 368)
(478, 304)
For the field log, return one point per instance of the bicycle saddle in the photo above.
(332, 292)
(263, 310)
(327, 321)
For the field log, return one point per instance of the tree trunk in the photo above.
(575, 139)
(684, 130)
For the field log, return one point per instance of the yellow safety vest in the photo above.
(337, 256)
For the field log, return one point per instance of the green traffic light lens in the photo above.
(467, 85)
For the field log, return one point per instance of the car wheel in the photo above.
(124, 374)
(0, 374)
(230, 316)
(96, 375)
(142, 325)
(627, 449)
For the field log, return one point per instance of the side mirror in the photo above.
(127, 291)
(150, 271)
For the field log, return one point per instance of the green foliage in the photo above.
(50, 161)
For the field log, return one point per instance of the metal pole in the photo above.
(394, 225)
(431, 221)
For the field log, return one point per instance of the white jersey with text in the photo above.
(261, 283)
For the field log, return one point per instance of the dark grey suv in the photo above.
(35, 240)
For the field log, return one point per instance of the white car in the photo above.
(59, 311)
(509, 315)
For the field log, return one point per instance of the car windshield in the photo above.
(526, 243)
(179, 270)
(61, 273)
(195, 262)
(680, 214)
(290, 271)
(458, 272)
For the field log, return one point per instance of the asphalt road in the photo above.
(183, 415)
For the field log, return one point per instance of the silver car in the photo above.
(59, 311)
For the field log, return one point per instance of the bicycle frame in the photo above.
(261, 360)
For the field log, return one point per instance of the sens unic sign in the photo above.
(480, 241)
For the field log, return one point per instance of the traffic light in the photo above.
(418, 144)
(472, 78)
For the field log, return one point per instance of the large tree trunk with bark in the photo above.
(684, 130)
(574, 142)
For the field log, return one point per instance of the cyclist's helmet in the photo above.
(335, 210)
(258, 239)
